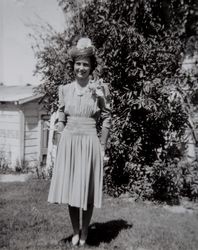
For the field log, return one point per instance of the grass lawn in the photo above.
(27, 221)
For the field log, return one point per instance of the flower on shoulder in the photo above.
(96, 87)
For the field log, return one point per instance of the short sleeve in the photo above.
(61, 108)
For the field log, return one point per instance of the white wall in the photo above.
(31, 132)
(20, 133)
(10, 133)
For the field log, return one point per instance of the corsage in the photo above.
(96, 88)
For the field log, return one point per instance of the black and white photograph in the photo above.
(99, 124)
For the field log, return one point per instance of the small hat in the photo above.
(84, 47)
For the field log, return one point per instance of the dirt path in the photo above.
(14, 177)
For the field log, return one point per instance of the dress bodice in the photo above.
(83, 104)
(72, 102)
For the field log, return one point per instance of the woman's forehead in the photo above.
(82, 59)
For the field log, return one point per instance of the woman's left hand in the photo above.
(59, 126)
(103, 152)
(104, 157)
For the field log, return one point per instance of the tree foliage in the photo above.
(140, 45)
(141, 55)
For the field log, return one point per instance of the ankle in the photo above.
(76, 233)
(84, 234)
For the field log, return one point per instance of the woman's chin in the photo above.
(81, 77)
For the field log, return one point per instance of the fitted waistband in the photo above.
(81, 125)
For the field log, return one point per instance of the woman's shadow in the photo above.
(104, 232)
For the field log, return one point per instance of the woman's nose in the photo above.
(81, 66)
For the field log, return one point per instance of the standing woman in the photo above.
(78, 173)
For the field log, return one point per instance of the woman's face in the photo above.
(82, 68)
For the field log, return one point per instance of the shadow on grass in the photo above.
(106, 232)
(103, 232)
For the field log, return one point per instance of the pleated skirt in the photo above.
(78, 172)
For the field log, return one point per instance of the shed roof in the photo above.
(18, 94)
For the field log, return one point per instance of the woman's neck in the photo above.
(82, 83)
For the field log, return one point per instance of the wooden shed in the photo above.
(23, 127)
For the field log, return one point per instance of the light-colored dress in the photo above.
(77, 177)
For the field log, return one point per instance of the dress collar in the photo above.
(84, 90)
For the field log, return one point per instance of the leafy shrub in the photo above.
(190, 180)
(165, 181)
(141, 59)
(4, 163)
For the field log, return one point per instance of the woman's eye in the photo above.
(82, 64)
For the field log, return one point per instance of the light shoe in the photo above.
(82, 243)
(75, 240)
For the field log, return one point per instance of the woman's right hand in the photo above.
(60, 126)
